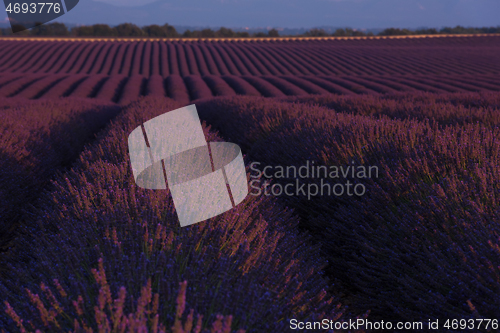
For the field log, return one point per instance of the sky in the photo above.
(289, 13)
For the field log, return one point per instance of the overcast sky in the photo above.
(289, 13)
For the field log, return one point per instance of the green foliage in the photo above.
(51, 29)
(432, 31)
(458, 30)
(129, 30)
(273, 33)
(207, 33)
(189, 34)
(98, 30)
(395, 31)
(340, 32)
(229, 33)
(260, 34)
(198, 34)
(350, 32)
(16, 27)
(462, 30)
(225, 32)
(168, 31)
(103, 30)
(171, 32)
(316, 32)
(155, 30)
(446, 30)
(82, 31)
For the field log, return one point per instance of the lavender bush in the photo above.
(250, 262)
(112, 88)
(306, 85)
(89, 86)
(133, 88)
(404, 58)
(176, 89)
(109, 313)
(264, 87)
(63, 87)
(155, 86)
(285, 86)
(33, 146)
(241, 86)
(197, 87)
(41, 86)
(218, 86)
(422, 242)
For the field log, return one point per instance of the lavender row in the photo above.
(362, 57)
(250, 262)
(197, 87)
(444, 109)
(110, 314)
(63, 87)
(111, 88)
(34, 145)
(421, 243)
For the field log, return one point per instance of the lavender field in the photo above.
(83, 249)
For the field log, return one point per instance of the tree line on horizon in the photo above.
(168, 31)
(401, 32)
(132, 30)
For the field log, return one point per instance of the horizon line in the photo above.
(235, 39)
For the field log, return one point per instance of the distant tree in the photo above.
(154, 30)
(19, 30)
(6, 32)
(82, 31)
(188, 34)
(242, 34)
(129, 30)
(97, 30)
(431, 31)
(353, 32)
(170, 30)
(51, 29)
(207, 33)
(358, 33)
(447, 30)
(225, 33)
(260, 34)
(340, 32)
(490, 30)
(316, 32)
(460, 30)
(395, 32)
(103, 30)
(273, 33)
